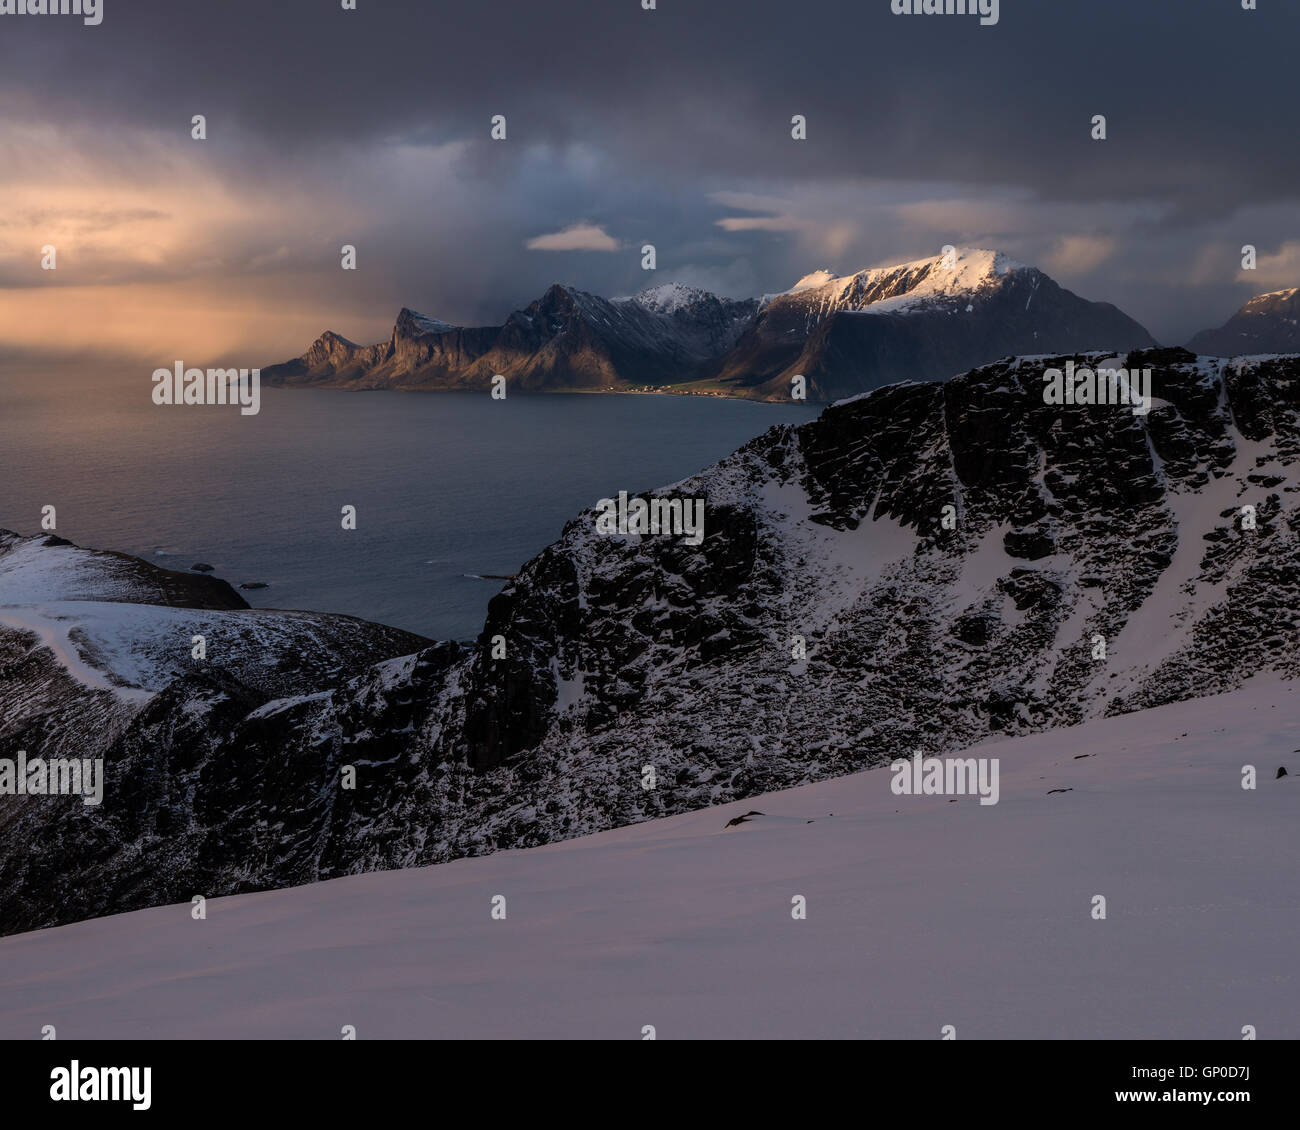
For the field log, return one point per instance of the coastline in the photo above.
(670, 391)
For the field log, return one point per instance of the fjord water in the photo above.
(445, 484)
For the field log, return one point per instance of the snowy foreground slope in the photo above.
(921, 913)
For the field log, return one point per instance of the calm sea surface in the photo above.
(445, 484)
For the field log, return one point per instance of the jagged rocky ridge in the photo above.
(1072, 522)
(1268, 323)
(566, 340)
(926, 320)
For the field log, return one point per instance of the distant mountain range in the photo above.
(1268, 323)
(925, 320)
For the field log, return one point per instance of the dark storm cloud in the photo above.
(633, 121)
(1191, 85)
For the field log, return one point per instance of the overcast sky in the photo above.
(624, 126)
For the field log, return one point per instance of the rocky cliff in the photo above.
(919, 568)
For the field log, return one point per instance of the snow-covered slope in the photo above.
(669, 298)
(88, 637)
(921, 913)
(899, 288)
(50, 568)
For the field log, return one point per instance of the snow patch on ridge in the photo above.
(668, 298)
(423, 324)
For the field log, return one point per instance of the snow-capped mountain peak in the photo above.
(813, 280)
(971, 269)
(668, 298)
